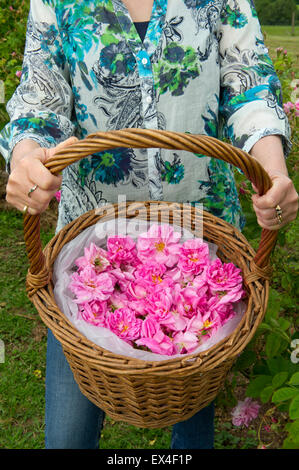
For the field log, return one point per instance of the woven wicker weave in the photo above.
(143, 393)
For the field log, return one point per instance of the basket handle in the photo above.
(146, 138)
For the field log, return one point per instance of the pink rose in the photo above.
(288, 107)
(124, 324)
(159, 243)
(19, 73)
(95, 257)
(93, 312)
(223, 276)
(159, 343)
(150, 271)
(194, 256)
(122, 278)
(202, 325)
(137, 289)
(121, 250)
(88, 285)
(150, 326)
(188, 302)
(159, 302)
(117, 300)
(245, 412)
(185, 342)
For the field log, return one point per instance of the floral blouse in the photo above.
(202, 68)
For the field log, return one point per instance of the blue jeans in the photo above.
(73, 422)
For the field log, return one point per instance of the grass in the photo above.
(281, 36)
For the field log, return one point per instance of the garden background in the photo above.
(267, 371)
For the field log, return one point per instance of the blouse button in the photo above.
(144, 61)
(148, 99)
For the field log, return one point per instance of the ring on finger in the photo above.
(278, 213)
(25, 209)
(32, 189)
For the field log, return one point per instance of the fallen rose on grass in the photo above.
(156, 293)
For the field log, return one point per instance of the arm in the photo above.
(40, 113)
(41, 107)
(251, 108)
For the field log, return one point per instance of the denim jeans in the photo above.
(73, 422)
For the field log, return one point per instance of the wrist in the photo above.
(21, 149)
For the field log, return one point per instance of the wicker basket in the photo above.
(143, 393)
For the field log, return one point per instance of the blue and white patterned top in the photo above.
(202, 68)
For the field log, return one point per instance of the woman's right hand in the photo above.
(28, 170)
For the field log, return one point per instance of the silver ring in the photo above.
(32, 189)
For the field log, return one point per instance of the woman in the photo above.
(195, 66)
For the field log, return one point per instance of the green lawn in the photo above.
(280, 36)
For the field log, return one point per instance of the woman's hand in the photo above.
(28, 172)
(269, 152)
(282, 194)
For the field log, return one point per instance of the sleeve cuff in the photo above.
(254, 138)
(42, 141)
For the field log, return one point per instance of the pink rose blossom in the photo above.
(149, 327)
(288, 107)
(88, 285)
(188, 301)
(201, 325)
(174, 321)
(122, 278)
(117, 300)
(151, 271)
(124, 324)
(219, 312)
(159, 303)
(95, 257)
(223, 276)
(160, 244)
(194, 256)
(18, 73)
(93, 312)
(245, 412)
(159, 343)
(185, 342)
(121, 250)
(138, 289)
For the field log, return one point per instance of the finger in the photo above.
(40, 175)
(25, 209)
(268, 201)
(37, 206)
(265, 214)
(272, 224)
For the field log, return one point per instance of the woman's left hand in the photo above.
(281, 195)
